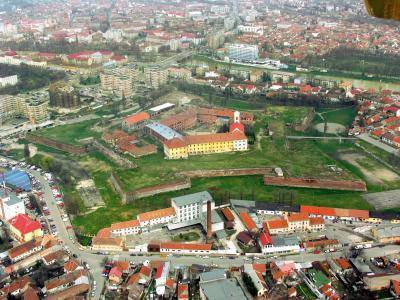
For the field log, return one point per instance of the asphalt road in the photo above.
(96, 261)
(366, 138)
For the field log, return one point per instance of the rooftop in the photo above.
(200, 197)
(289, 240)
(391, 231)
(24, 224)
(126, 224)
(164, 131)
(155, 214)
(161, 107)
(217, 274)
(222, 290)
(184, 246)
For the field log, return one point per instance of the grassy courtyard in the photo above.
(343, 116)
(297, 158)
(301, 158)
(71, 134)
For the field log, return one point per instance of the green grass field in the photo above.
(71, 134)
(297, 158)
(302, 158)
(344, 116)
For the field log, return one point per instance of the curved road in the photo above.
(96, 261)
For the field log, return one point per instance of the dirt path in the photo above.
(378, 175)
(258, 138)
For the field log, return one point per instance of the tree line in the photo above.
(29, 78)
(258, 101)
(356, 60)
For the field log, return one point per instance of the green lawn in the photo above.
(302, 158)
(71, 134)
(344, 116)
(304, 292)
(297, 158)
(186, 237)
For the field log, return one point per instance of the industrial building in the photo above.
(242, 52)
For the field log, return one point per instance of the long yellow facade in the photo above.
(183, 151)
(28, 236)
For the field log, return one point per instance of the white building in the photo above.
(10, 206)
(279, 245)
(156, 217)
(185, 248)
(125, 228)
(191, 207)
(161, 278)
(9, 80)
(259, 30)
(257, 279)
(243, 52)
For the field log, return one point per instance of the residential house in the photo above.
(24, 228)
(125, 228)
(107, 244)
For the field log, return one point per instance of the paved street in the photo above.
(96, 261)
(366, 138)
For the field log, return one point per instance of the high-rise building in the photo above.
(119, 80)
(32, 107)
(155, 76)
(63, 95)
(216, 39)
(8, 107)
(243, 52)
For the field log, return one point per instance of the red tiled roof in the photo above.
(297, 217)
(214, 138)
(234, 127)
(260, 268)
(317, 210)
(175, 143)
(228, 213)
(137, 118)
(265, 238)
(343, 263)
(155, 214)
(277, 224)
(321, 243)
(24, 224)
(126, 224)
(183, 291)
(71, 265)
(115, 272)
(396, 287)
(104, 233)
(183, 246)
(248, 221)
(334, 212)
(16, 285)
(316, 221)
(96, 241)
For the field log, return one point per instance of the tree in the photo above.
(248, 282)
(71, 205)
(27, 153)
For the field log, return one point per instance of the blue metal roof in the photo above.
(166, 132)
(18, 179)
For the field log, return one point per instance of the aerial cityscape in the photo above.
(199, 149)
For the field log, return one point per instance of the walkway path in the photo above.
(367, 138)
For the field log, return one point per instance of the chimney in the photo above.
(209, 223)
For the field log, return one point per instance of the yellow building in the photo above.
(205, 144)
(24, 228)
(107, 244)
